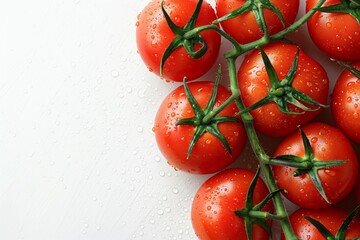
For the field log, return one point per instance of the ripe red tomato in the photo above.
(328, 143)
(345, 104)
(331, 218)
(216, 200)
(337, 34)
(153, 36)
(208, 155)
(245, 29)
(254, 83)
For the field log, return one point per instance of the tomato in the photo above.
(216, 200)
(254, 83)
(337, 34)
(345, 104)
(153, 36)
(331, 218)
(328, 143)
(245, 29)
(208, 155)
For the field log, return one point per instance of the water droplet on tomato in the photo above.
(355, 115)
(314, 139)
(137, 23)
(356, 105)
(330, 172)
(350, 84)
(349, 99)
(328, 25)
(177, 19)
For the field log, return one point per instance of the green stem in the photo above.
(215, 28)
(260, 153)
(263, 158)
(265, 215)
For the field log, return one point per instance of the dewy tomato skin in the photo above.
(213, 207)
(337, 34)
(331, 218)
(345, 104)
(153, 36)
(245, 29)
(254, 83)
(328, 143)
(208, 155)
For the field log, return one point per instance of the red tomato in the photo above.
(216, 200)
(310, 79)
(153, 36)
(208, 155)
(331, 218)
(337, 34)
(328, 143)
(345, 104)
(245, 29)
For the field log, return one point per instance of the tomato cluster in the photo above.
(278, 90)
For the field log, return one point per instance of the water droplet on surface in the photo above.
(114, 73)
(175, 190)
(140, 129)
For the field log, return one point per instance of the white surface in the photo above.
(78, 156)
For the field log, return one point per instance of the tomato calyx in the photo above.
(252, 214)
(282, 92)
(307, 164)
(350, 68)
(256, 6)
(201, 124)
(188, 43)
(340, 235)
(351, 7)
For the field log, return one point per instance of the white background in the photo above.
(78, 155)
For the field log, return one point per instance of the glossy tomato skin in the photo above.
(245, 29)
(153, 36)
(212, 213)
(328, 143)
(208, 155)
(336, 34)
(345, 104)
(310, 79)
(331, 218)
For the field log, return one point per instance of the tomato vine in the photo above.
(280, 91)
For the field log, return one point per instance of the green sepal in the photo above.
(340, 235)
(180, 40)
(282, 93)
(257, 7)
(351, 7)
(197, 121)
(346, 224)
(252, 214)
(350, 68)
(319, 226)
